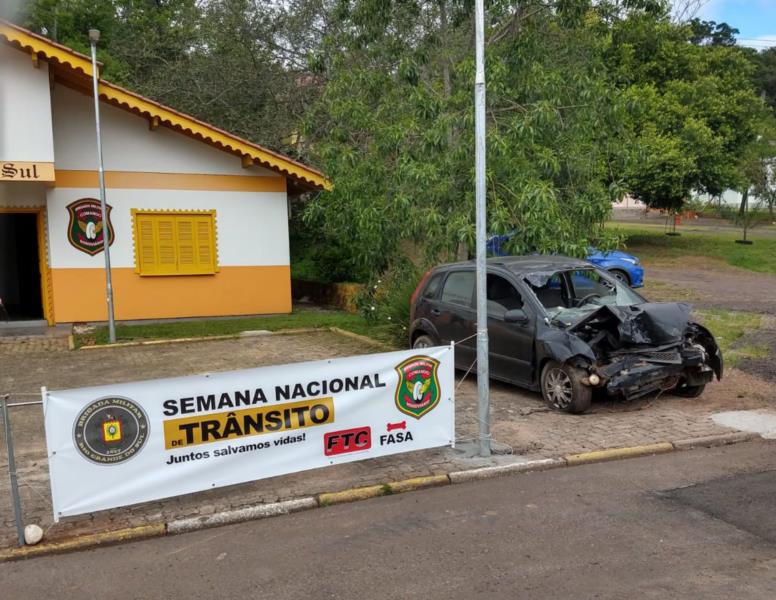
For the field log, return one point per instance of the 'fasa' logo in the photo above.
(418, 389)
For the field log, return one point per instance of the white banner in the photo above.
(121, 444)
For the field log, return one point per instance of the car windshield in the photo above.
(568, 296)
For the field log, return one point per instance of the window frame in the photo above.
(492, 314)
(172, 213)
(441, 292)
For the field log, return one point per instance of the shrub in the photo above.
(386, 300)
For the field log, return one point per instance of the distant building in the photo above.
(198, 218)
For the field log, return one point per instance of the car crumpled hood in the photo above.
(651, 323)
(617, 327)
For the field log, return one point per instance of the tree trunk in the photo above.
(463, 251)
(743, 210)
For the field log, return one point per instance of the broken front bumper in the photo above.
(646, 378)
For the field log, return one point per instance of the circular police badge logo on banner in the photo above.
(111, 430)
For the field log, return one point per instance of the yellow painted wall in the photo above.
(79, 294)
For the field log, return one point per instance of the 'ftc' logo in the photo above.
(347, 440)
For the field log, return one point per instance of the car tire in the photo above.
(563, 390)
(689, 391)
(423, 341)
(620, 275)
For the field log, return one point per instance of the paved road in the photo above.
(629, 529)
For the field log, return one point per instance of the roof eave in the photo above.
(300, 176)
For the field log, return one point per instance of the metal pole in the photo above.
(483, 381)
(17, 503)
(94, 36)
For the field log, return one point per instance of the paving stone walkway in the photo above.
(522, 428)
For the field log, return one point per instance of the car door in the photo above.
(455, 317)
(511, 344)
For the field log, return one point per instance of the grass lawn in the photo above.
(652, 244)
(729, 329)
(301, 318)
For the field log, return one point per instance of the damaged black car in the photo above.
(566, 328)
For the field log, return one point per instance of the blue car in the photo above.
(623, 266)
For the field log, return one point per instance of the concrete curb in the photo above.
(261, 511)
(207, 338)
(362, 338)
(234, 336)
(83, 542)
(249, 513)
(352, 495)
(711, 441)
(418, 483)
(618, 453)
(501, 470)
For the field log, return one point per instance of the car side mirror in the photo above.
(517, 316)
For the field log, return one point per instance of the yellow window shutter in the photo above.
(186, 245)
(146, 247)
(206, 244)
(165, 244)
(175, 243)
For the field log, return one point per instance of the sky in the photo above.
(755, 19)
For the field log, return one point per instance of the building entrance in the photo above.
(20, 277)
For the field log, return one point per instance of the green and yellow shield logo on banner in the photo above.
(417, 392)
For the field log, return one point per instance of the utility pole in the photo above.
(94, 37)
(483, 377)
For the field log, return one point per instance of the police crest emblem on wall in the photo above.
(85, 230)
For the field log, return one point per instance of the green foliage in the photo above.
(713, 33)
(394, 129)
(764, 76)
(693, 108)
(316, 256)
(385, 301)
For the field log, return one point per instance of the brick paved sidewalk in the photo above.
(520, 425)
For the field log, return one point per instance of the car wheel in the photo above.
(562, 388)
(423, 341)
(620, 275)
(689, 391)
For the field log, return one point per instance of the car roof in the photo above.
(527, 264)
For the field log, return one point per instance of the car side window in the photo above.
(588, 281)
(459, 288)
(502, 296)
(552, 293)
(432, 287)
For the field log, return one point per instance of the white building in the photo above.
(199, 217)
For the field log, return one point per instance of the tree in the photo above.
(758, 167)
(394, 128)
(765, 74)
(693, 110)
(712, 33)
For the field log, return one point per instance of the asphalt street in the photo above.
(693, 524)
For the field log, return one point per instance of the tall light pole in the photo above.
(94, 37)
(483, 381)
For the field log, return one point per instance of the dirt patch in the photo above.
(708, 283)
(765, 338)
